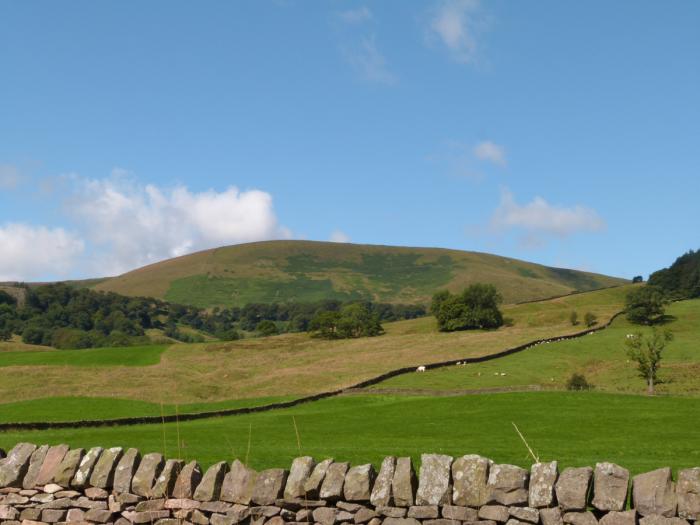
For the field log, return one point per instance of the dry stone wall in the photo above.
(59, 485)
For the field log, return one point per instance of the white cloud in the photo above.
(37, 252)
(9, 177)
(355, 16)
(456, 23)
(490, 152)
(132, 225)
(368, 61)
(539, 217)
(339, 236)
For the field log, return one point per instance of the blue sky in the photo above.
(565, 133)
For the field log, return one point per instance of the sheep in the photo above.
(421, 368)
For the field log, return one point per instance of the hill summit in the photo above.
(281, 271)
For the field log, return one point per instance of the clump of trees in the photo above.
(682, 279)
(645, 305)
(352, 320)
(474, 308)
(646, 351)
(578, 382)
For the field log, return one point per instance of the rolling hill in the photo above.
(279, 271)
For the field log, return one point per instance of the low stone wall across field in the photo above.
(57, 484)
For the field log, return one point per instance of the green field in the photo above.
(281, 271)
(638, 432)
(88, 357)
(600, 357)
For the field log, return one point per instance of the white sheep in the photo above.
(421, 368)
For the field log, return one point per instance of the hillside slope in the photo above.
(277, 271)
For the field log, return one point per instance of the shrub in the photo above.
(573, 318)
(266, 328)
(590, 319)
(577, 382)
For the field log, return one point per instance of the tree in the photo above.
(573, 318)
(590, 319)
(356, 320)
(637, 279)
(5, 334)
(476, 307)
(647, 351)
(325, 324)
(645, 305)
(578, 382)
(266, 328)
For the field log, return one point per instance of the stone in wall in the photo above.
(15, 465)
(103, 474)
(551, 516)
(299, 473)
(628, 517)
(470, 476)
(126, 468)
(434, 480)
(68, 467)
(381, 492)
(655, 519)
(148, 470)
(358, 483)
(572, 488)
(210, 486)
(507, 485)
(87, 463)
(543, 476)
(332, 487)
(688, 492)
(238, 484)
(269, 486)
(610, 486)
(165, 482)
(654, 493)
(580, 518)
(52, 461)
(35, 462)
(405, 483)
(312, 486)
(187, 481)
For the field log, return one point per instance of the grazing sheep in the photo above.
(503, 373)
(421, 368)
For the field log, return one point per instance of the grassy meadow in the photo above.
(579, 428)
(89, 357)
(289, 364)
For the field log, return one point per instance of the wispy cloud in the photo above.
(491, 152)
(10, 177)
(358, 42)
(538, 219)
(339, 236)
(457, 24)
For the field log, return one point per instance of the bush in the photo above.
(573, 318)
(266, 328)
(476, 307)
(353, 320)
(590, 319)
(578, 382)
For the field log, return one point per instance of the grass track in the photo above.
(575, 428)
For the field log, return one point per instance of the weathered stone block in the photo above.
(53, 488)
(551, 516)
(210, 486)
(148, 470)
(459, 513)
(238, 484)
(31, 513)
(150, 504)
(269, 486)
(103, 474)
(187, 481)
(434, 481)
(497, 513)
(332, 486)
(526, 514)
(8, 513)
(543, 476)
(654, 493)
(298, 475)
(655, 519)
(423, 512)
(404, 484)
(68, 467)
(75, 515)
(52, 515)
(325, 515)
(126, 468)
(507, 485)
(358, 483)
(580, 518)
(35, 462)
(610, 485)
(98, 515)
(145, 517)
(363, 515)
(688, 493)
(572, 488)
(470, 474)
(312, 486)
(628, 517)
(96, 493)
(165, 482)
(15, 465)
(400, 521)
(87, 464)
(381, 491)
(392, 512)
(220, 507)
(52, 461)
(439, 521)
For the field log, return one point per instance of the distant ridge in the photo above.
(282, 271)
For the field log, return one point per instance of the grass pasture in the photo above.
(131, 356)
(577, 429)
